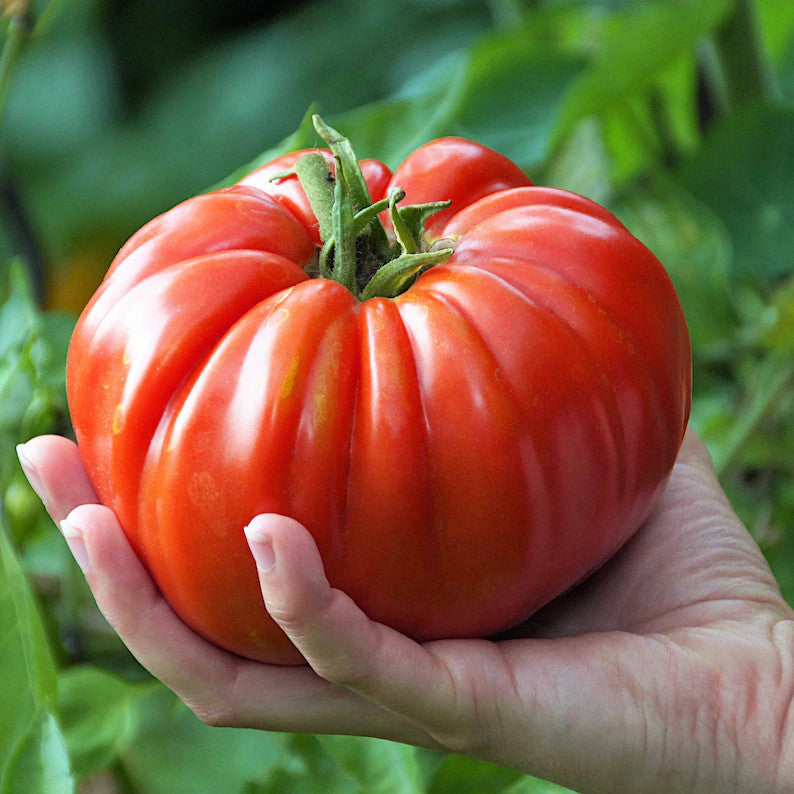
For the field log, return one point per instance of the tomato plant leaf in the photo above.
(743, 172)
(95, 711)
(32, 364)
(171, 751)
(779, 335)
(41, 762)
(460, 775)
(375, 765)
(30, 744)
(623, 64)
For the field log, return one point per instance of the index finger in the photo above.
(56, 473)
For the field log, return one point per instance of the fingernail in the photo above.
(74, 540)
(261, 546)
(30, 472)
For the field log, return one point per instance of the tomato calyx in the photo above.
(357, 250)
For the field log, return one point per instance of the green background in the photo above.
(678, 115)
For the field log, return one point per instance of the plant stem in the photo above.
(396, 276)
(359, 192)
(16, 37)
(354, 239)
(660, 114)
(404, 236)
(22, 233)
(344, 233)
(735, 64)
(773, 381)
(313, 173)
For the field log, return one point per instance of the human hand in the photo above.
(669, 670)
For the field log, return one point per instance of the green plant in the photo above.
(636, 105)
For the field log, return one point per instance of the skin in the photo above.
(669, 670)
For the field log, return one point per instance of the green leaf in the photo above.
(29, 738)
(519, 90)
(41, 762)
(744, 174)
(357, 765)
(772, 379)
(95, 709)
(513, 96)
(460, 775)
(641, 78)
(350, 765)
(72, 80)
(505, 90)
(17, 311)
(304, 137)
(778, 543)
(217, 106)
(582, 163)
(376, 766)
(171, 751)
(33, 351)
(501, 92)
(28, 671)
(534, 785)
(779, 334)
(303, 764)
(632, 48)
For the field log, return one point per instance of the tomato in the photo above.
(462, 452)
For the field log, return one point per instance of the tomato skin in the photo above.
(462, 453)
(460, 170)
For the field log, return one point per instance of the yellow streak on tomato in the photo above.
(320, 407)
(288, 385)
(118, 419)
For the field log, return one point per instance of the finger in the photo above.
(222, 688)
(56, 473)
(340, 642)
(127, 597)
(201, 674)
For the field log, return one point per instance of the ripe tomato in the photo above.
(462, 452)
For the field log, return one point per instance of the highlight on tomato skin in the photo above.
(471, 406)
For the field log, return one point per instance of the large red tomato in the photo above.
(462, 452)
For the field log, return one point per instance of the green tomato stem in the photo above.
(363, 217)
(318, 184)
(343, 152)
(404, 237)
(359, 192)
(356, 249)
(344, 233)
(360, 222)
(396, 276)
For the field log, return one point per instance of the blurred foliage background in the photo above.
(676, 114)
